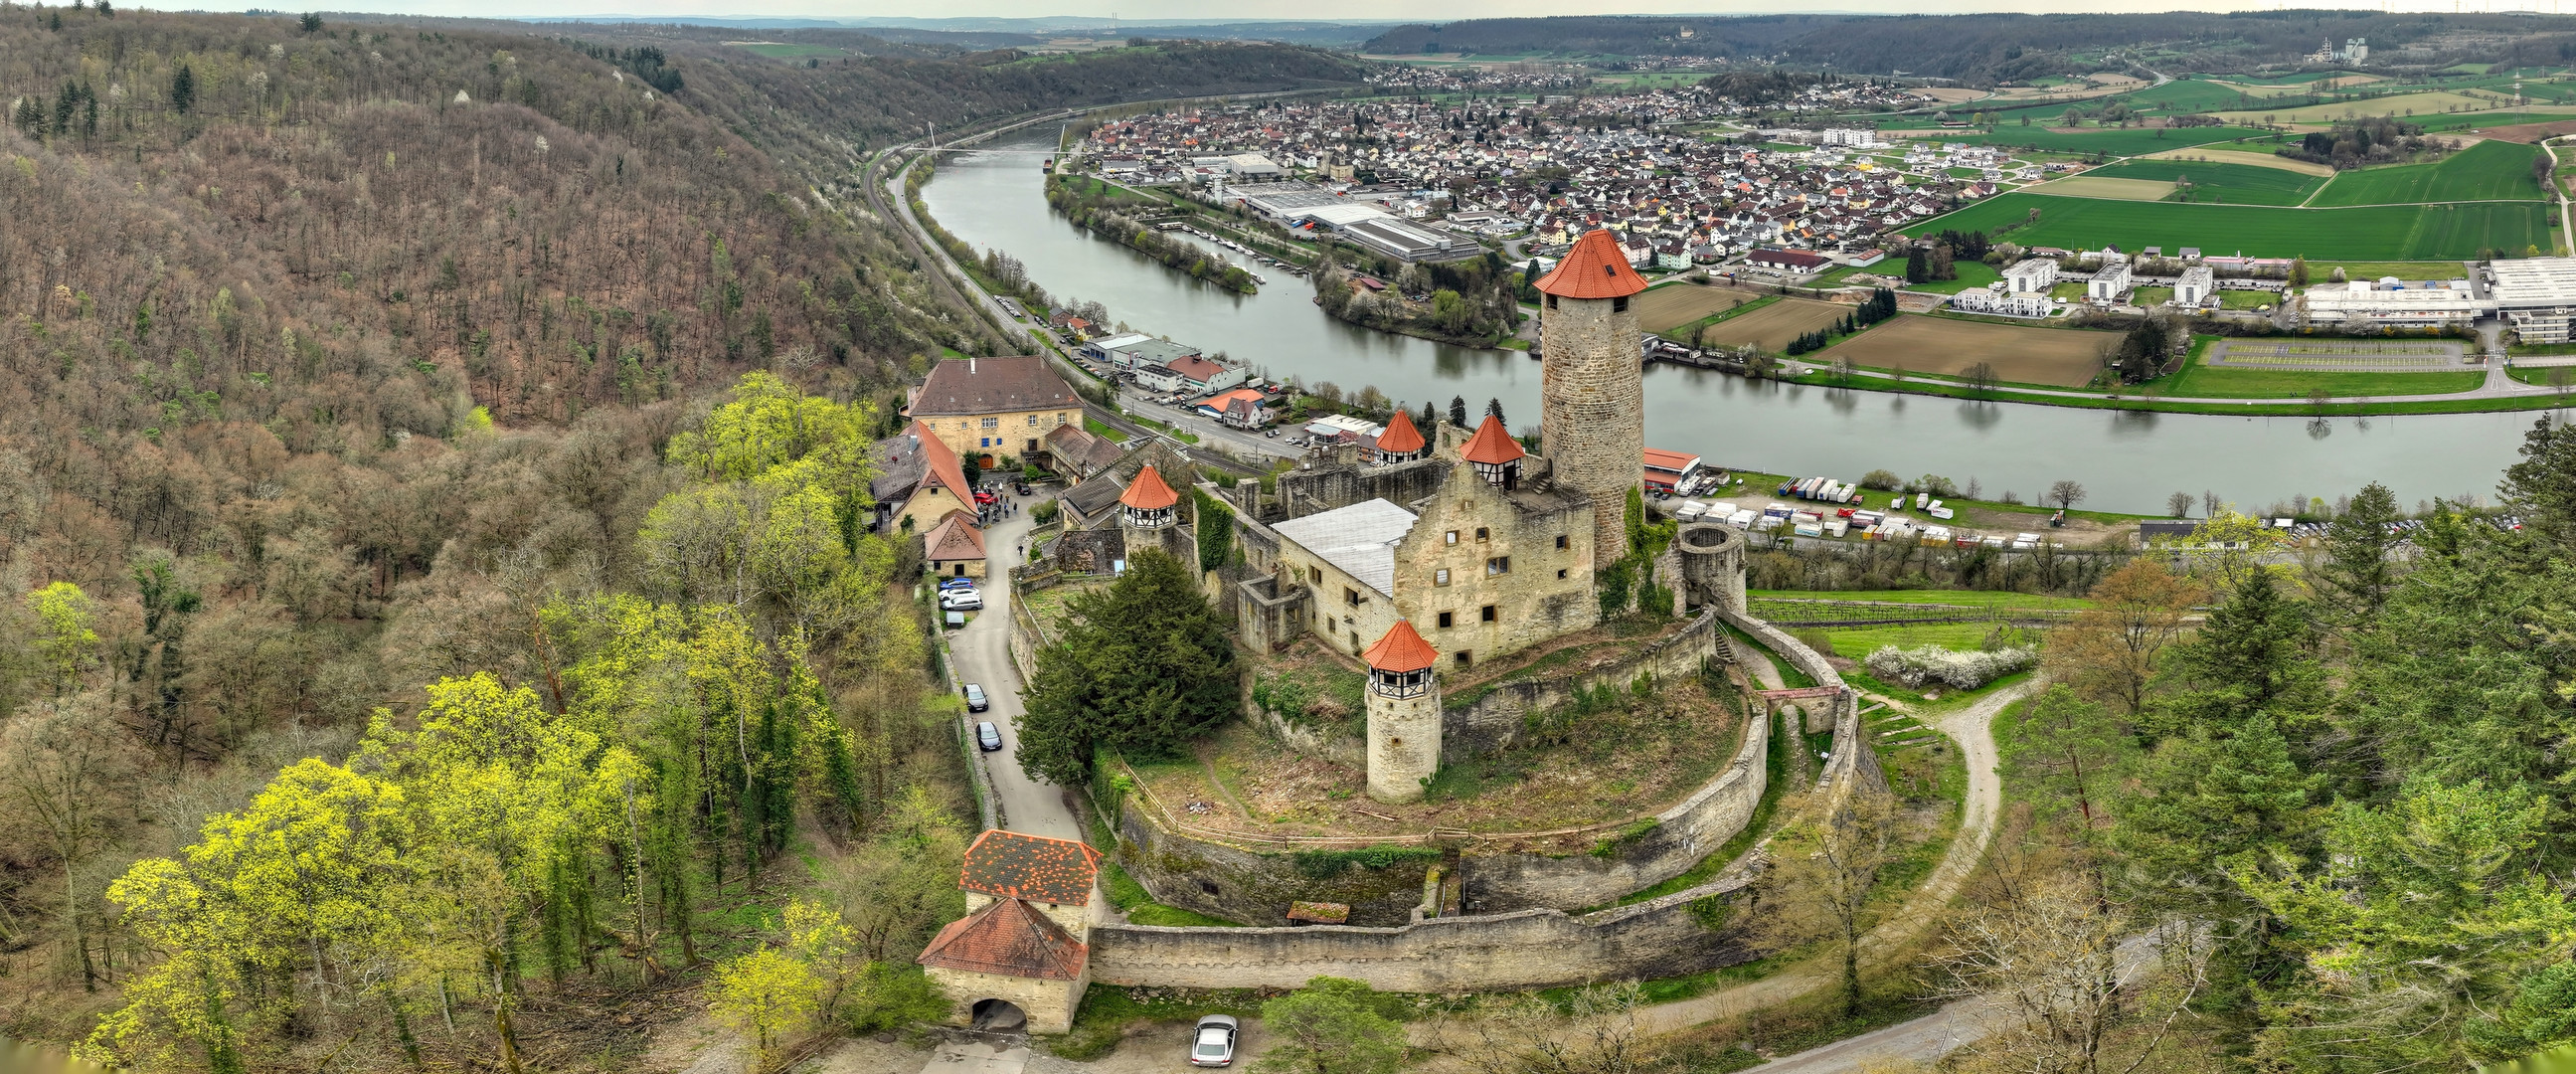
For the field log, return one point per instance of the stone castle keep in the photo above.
(1444, 550)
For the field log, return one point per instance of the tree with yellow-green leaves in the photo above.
(767, 995)
(66, 642)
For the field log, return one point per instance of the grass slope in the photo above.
(2485, 171)
(2221, 183)
(2117, 142)
(2379, 233)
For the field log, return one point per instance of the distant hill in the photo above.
(1988, 48)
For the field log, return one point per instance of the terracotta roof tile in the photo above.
(954, 538)
(1402, 649)
(1148, 492)
(943, 469)
(1011, 865)
(1491, 445)
(1594, 268)
(1011, 938)
(1400, 437)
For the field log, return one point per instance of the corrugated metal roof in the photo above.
(1360, 539)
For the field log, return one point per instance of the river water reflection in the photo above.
(2127, 460)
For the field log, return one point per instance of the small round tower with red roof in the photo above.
(1147, 511)
(1592, 386)
(1403, 715)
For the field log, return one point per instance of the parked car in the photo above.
(986, 498)
(961, 600)
(1273, 433)
(988, 736)
(1021, 487)
(1212, 1043)
(946, 584)
(975, 699)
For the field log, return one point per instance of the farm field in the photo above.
(2332, 356)
(2214, 182)
(2246, 158)
(2409, 271)
(2433, 103)
(2486, 122)
(2058, 356)
(2376, 233)
(2095, 184)
(2198, 381)
(2485, 171)
(2531, 132)
(1772, 327)
(2117, 142)
(1662, 309)
(2188, 95)
(783, 50)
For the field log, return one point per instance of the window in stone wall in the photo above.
(1619, 304)
(1560, 574)
(1462, 658)
(992, 423)
(1483, 534)
(1440, 577)
(1563, 542)
(1489, 613)
(1450, 538)
(1498, 565)
(1315, 575)
(1448, 619)
(1350, 596)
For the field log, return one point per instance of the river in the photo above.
(2126, 460)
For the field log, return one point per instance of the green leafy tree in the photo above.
(66, 643)
(1145, 668)
(1331, 1026)
(768, 996)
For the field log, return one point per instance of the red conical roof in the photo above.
(1400, 437)
(1401, 650)
(1148, 492)
(1594, 268)
(1491, 445)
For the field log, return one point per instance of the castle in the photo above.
(1425, 552)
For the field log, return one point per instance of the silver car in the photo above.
(1212, 1043)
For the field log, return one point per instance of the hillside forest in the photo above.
(442, 625)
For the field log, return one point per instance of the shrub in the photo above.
(1930, 663)
(1882, 480)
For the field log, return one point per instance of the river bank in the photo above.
(2130, 459)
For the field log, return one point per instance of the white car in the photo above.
(1212, 1043)
(961, 600)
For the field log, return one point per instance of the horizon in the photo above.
(1145, 13)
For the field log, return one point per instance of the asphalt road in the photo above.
(982, 650)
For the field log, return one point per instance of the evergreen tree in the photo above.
(2254, 654)
(2542, 487)
(183, 90)
(2357, 573)
(1146, 668)
(1458, 411)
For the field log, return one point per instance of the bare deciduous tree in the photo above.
(1594, 1033)
(1823, 865)
(2062, 979)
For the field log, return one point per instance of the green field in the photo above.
(780, 50)
(2482, 120)
(2117, 142)
(2378, 233)
(2485, 171)
(2216, 183)
(2198, 381)
(1971, 274)
(1971, 598)
(2188, 95)
(2409, 271)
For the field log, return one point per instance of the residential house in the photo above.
(1000, 407)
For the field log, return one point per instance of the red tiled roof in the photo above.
(944, 469)
(1491, 445)
(1148, 492)
(1594, 268)
(1402, 649)
(1400, 437)
(1011, 865)
(954, 538)
(1011, 938)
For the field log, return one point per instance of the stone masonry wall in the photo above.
(1486, 719)
(1592, 395)
(1665, 937)
(1241, 885)
(1497, 550)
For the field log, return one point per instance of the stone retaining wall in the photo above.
(1494, 716)
(1660, 938)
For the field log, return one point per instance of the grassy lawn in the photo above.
(1967, 598)
(2246, 300)
(2218, 183)
(2378, 233)
(2487, 170)
(2409, 271)
(2206, 382)
(1972, 274)
(2150, 296)
(1093, 426)
(2540, 376)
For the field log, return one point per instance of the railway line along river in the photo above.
(2127, 460)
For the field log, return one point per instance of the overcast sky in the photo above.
(1371, 10)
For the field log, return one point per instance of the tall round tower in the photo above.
(1403, 715)
(1592, 385)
